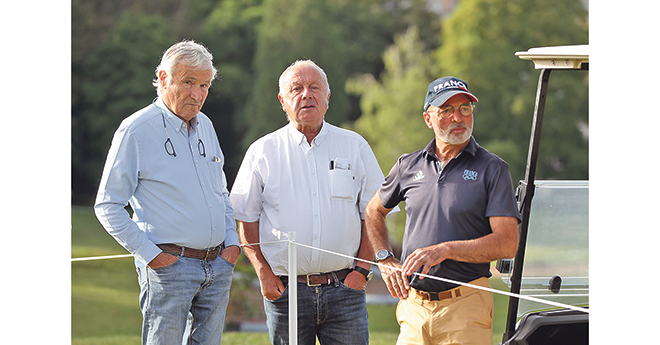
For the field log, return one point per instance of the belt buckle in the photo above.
(308, 283)
(206, 255)
(425, 296)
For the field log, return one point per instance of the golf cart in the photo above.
(553, 235)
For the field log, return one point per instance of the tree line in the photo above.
(379, 56)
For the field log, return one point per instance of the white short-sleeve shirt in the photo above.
(320, 191)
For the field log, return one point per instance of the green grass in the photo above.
(104, 296)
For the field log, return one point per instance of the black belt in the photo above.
(436, 296)
(206, 255)
(320, 279)
(453, 293)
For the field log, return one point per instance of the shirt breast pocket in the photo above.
(341, 184)
(215, 178)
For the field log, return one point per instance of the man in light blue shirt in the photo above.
(165, 160)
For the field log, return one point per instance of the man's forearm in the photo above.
(376, 225)
(365, 251)
(502, 243)
(249, 233)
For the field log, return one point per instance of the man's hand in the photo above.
(389, 269)
(426, 257)
(356, 280)
(271, 285)
(163, 259)
(231, 254)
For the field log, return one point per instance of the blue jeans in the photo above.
(336, 314)
(188, 286)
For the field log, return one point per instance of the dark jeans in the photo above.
(335, 314)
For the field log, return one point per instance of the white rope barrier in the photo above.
(292, 268)
(101, 257)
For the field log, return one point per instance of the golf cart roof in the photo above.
(558, 57)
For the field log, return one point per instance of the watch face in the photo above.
(382, 254)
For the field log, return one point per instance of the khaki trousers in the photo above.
(464, 319)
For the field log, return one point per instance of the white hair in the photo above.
(188, 53)
(304, 63)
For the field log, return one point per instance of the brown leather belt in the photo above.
(206, 255)
(436, 296)
(320, 279)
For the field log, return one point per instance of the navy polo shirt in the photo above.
(450, 204)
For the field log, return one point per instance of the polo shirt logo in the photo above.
(470, 175)
(418, 176)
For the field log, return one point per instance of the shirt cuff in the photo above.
(231, 238)
(147, 252)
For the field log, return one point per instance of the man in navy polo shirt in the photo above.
(461, 215)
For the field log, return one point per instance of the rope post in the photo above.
(293, 290)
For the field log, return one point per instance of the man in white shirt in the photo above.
(315, 179)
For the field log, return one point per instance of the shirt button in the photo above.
(210, 206)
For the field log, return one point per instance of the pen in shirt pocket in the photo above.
(332, 166)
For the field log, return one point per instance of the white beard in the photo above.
(455, 139)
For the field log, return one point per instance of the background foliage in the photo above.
(379, 56)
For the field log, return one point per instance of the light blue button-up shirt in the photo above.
(180, 199)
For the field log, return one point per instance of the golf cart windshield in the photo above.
(557, 254)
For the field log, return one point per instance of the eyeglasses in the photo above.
(448, 111)
(200, 148)
(169, 147)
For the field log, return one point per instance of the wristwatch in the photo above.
(367, 274)
(383, 254)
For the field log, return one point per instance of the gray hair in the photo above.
(188, 53)
(304, 63)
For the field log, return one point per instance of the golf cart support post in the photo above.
(546, 59)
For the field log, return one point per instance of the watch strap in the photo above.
(366, 273)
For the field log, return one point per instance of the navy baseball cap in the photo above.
(441, 89)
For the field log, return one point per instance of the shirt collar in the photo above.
(298, 137)
(174, 120)
(471, 148)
